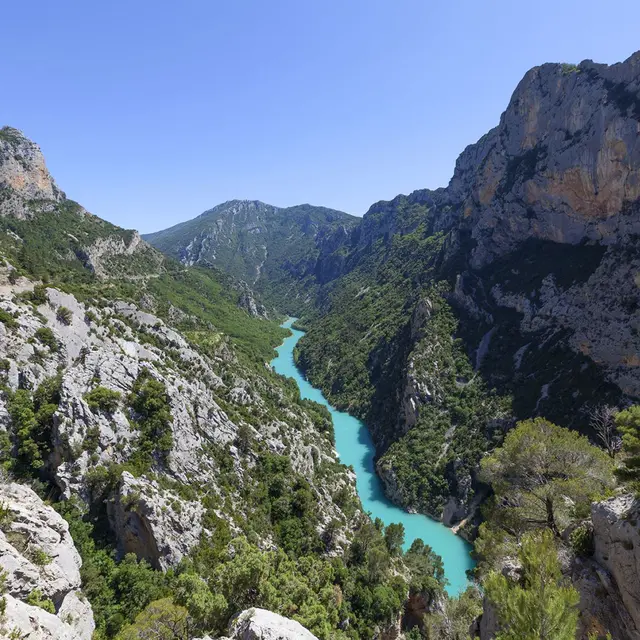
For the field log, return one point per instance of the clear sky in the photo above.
(151, 112)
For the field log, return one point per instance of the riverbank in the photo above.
(355, 448)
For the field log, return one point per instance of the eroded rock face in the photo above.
(156, 525)
(37, 553)
(562, 165)
(36, 549)
(23, 174)
(260, 624)
(616, 531)
(109, 347)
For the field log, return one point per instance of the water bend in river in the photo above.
(355, 448)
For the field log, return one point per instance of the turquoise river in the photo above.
(355, 448)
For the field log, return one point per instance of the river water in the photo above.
(355, 448)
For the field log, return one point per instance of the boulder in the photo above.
(37, 552)
(260, 624)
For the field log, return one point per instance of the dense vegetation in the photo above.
(387, 317)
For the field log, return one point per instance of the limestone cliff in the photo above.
(41, 570)
(536, 245)
(24, 176)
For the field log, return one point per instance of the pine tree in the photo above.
(628, 422)
(540, 606)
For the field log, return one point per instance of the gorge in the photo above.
(356, 450)
(479, 342)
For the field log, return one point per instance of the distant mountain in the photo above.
(275, 250)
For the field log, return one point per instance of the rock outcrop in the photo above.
(607, 583)
(260, 624)
(156, 525)
(38, 556)
(616, 533)
(23, 175)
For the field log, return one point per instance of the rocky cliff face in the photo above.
(537, 237)
(23, 175)
(109, 348)
(129, 398)
(42, 569)
(616, 531)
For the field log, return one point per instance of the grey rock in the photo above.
(24, 175)
(260, 624)
(616, 531)
(35, 623)
(36, 549)
(156, 525)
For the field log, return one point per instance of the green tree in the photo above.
(544, 475)
(103, 399)
(540, 606)
(161, 620)
(394, 537)
(628, 422)
(454, 621)
(207, 609)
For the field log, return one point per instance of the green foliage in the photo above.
(103, 399)
(160, 620)
(46, 337)
(628, 423)
(360, 344)
(425, 567)
(569, 68)
(292, 237)
(394, 538)
(453, 623)
(544, 476)
(39, 557)
(208, 610)
(540, 606)
(35, 599)
(581, 540)
(32, 424)
(118, 592)
(39, 295)
(151, 411)
(8, 320)
(6, 516)
(64, 315)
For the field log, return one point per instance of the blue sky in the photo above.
(151, 112)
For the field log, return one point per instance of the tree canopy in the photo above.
(628, 422)
(543, 475)
(539, 606)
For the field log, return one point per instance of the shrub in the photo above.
(39, 295)
(64, 315)
(151, 409)
(46, 337)
(103, 399)
(6, 516)
(40, 557)
(581, 540)
(7, 319)
(35, 599)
